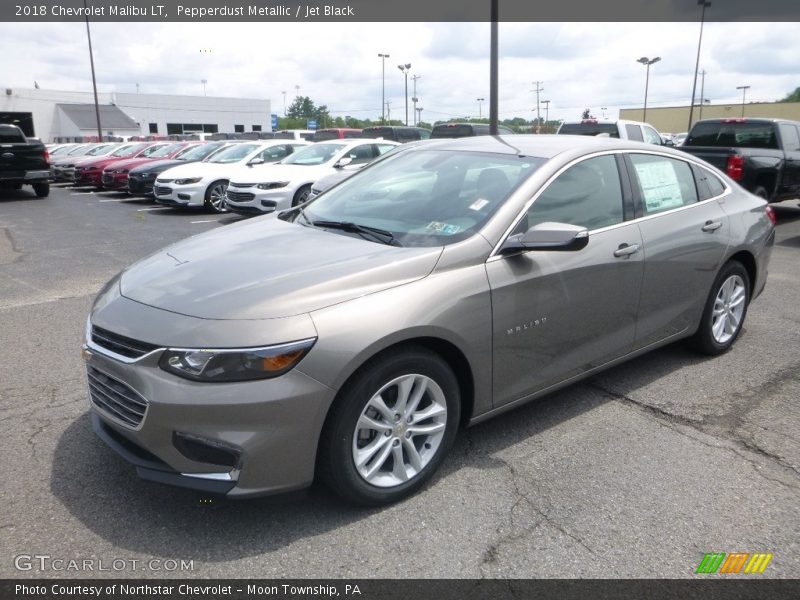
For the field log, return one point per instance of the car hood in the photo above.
(198, 169)
(159, 165)
(129, 163)
(103, 161)
(267, 268)
(278, 172)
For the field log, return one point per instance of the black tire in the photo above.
(704, 339)
(213, 202)
(336, 464)
(761, 192)
(301, 195)
(42, 190)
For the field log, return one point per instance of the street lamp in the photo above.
(705, 5)
(604, 109)
(383, 58)
(546, 111)
(204, 82)
(479, 105)
(744, 89)
(647, 62)
(414, 98)
(284, 103)
(405, 69)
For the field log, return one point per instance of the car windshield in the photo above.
(198, 152)
(128, 150)
(100, 150)
(314, 155)
(422, 198)
(233, 153)
(162, 151)
(80, 150)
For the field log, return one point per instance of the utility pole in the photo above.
(546, 111)
(388, 111)
(704, 4)
(702, 93)
(538, 115)
(414, 98)
(494, 96)
(383, 58)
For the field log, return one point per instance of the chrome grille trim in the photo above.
(116, 398)
(119, 344)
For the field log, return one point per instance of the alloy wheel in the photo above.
(728, 309)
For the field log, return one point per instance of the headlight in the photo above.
(273, 185)
(240, 364)
(187, 181)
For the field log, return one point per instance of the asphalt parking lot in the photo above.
(637, 472)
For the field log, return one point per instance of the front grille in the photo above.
(116, 398)
(241, 185)
(162, 191)
(119, 344)
(240, 196)
(107, 179)
(159, 180)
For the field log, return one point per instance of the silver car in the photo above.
(349, 338)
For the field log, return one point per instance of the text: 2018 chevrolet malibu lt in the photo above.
(350, 337)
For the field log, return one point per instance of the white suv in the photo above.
(624, 130)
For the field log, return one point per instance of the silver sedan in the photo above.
(349, 338)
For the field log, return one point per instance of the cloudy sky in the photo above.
(580, 64)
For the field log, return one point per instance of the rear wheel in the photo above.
(301, 195)
(761, 192)
(391, 427)
(725, 310)
(42, 189)
(215, 196)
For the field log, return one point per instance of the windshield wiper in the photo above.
(378, 235)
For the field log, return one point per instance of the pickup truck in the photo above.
(23, 161)
(762, 155)
(624, 130)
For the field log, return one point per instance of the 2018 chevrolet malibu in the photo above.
(349, 338)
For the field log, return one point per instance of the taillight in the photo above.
(771, 214)
(46, 158)
(735, 167)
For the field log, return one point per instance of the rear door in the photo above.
(685, 236)
(790, 138)
(558, 314)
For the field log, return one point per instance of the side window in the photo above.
(383, 148)
(424, 134)
(664, 183)
(634, 133)
(361, 154)
(791, 141)
(708, 184)
(588, 194)
(650, 136)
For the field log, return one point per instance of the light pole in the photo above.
(414, 98)
(479, 106)
(94, 79)
(604, 109)
(702, 92)
(538, 89)
(297, 91)
(404, 69)
(419, 115)
(647, 62)
(546, 111)
(204, 82)
(705, 5)
(744, 89)
(284, 103)
(383, 58)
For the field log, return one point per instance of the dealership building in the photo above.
(53, 115)
(675, 119)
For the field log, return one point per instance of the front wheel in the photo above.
(215, 196)
(391, 427)
(301, 195)
(725, 310)
(42, 190)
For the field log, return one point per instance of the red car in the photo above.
(91, 171)
(115, 175)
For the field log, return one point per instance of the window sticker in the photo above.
(478, 204)
(444, 228)
(659, 185)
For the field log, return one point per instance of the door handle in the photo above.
(626, 250)
(712, 226)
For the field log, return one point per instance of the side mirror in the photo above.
(668, 143)
(256, 161)
(548, 236)
(343, 162)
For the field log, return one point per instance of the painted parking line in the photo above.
(206, 221)
(153, 208)
(81, 193)
(115, 200)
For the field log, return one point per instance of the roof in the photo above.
(111, 117)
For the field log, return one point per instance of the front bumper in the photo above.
(180, 195)
(140, 185)
(114, 181)
(252, 201)
(88, 177)
(268, 428)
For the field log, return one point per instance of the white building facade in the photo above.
(53, 114)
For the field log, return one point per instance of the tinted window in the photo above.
(634, 133)
(407, 135)
(452, 131)
(741, 134)
(386, 133)
(791, 141)
(589, 129)
(651, 136)
(274, 153)
(233, 153)
(588, 194)
(361, 154)
(326, 134)
(664, 183)
(383, 148)
(314, 155)
(11, 135)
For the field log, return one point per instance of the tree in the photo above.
(587, 114)
(793, 97)
(302, 108)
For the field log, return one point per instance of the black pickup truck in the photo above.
(763, 155)
(23, 161)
